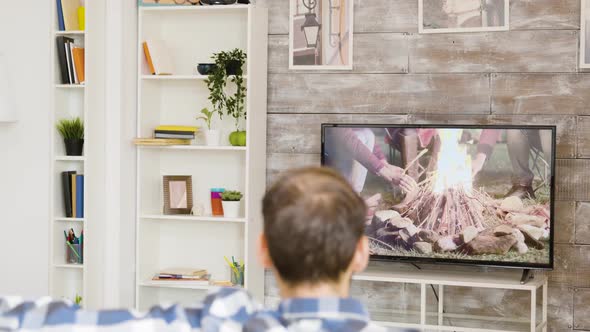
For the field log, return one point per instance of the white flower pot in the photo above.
(212, 137)
(231, 209)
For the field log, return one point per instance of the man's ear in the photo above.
(263, 254)
(360, 259)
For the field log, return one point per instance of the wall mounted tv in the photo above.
(459, 194)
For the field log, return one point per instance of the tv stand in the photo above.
(442, 319)
(527, 275)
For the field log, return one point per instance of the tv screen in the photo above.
(453, 194)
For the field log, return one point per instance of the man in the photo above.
(313, 241)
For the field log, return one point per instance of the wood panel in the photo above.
(277, 163)
(564, 222)
(560, 307)
(541, 93)
(583, 137)
(566, 125)
(572, 180)
(302, 134)
(369, 16)
(378, 93)
(583, 223)
(373, 53)
(514, 51)
(544, 14)
(582, 309)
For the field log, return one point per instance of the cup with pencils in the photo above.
(236, 271)
(74, 247)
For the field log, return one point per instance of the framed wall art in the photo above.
(321, 34)
(448, 16)
(178, 194)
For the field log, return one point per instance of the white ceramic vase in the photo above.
(231, 209)
(212, 137)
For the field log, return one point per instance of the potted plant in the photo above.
(211, 135)
(72, 132)
(229, 67)
(231, 203)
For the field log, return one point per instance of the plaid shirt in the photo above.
(224, 310)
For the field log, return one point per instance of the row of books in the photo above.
(71, 61)
(71, 15)
(194, 276)
(175, 132)
(73, 194)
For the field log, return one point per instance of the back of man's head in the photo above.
(313, 222)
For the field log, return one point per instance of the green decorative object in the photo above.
(72, 131)
(231, 196)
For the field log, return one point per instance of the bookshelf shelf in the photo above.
(195, 147)
(193, 218)
(70, 86)
(62, 219)
(69, 266)
(200, 242)
(197, 9)
(176, 284)
(70, 158)
(70, 33)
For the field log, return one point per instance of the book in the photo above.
(174, 132)
(161, 141)
(148, 58)
(74, 194)
(177, 128)
(176, 136)
(81, 18)
(79, 196)
(70, 14)
(79, 63)
(70, 67)
(184, 272)
(60, 16)
(158, 55)
(203, 282)
(73, 65)
(66, 181)
(61, 43)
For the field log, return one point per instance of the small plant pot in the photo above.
(212, 137)
(74, 147)
(231, 209)
(233, 67)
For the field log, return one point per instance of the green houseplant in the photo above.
(231, 203)
(229, 68)
(72, 132)
(211, 135)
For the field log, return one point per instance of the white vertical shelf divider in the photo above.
(192, 34)
(67, 101)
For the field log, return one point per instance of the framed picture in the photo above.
(445, 16)
(321, 34)
(178, 194)
(585, 35)
(168, 2)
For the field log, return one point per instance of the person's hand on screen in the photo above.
(391, 173)
(372, 205)
(408, 184)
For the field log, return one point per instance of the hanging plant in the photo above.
(229, 68)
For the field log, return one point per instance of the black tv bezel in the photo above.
(425, 260)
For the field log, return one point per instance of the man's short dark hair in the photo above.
(313, 221)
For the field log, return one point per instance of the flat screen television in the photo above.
(460, 194)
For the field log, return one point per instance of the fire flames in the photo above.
(453, 169)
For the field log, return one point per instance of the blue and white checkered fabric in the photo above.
(224, 310)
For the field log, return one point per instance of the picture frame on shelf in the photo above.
(321, 34)
(456, 16)
(585, 34)
(178, 194)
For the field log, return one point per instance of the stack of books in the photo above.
(73, 194)
(71, 61)
(175, 132)
(194, 276)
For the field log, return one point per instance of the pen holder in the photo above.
(237, 276)
(74, 254)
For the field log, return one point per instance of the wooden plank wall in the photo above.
(526, 75)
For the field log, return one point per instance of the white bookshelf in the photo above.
(192, 34)
(68, 101)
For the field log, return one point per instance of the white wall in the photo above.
(24, 149)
